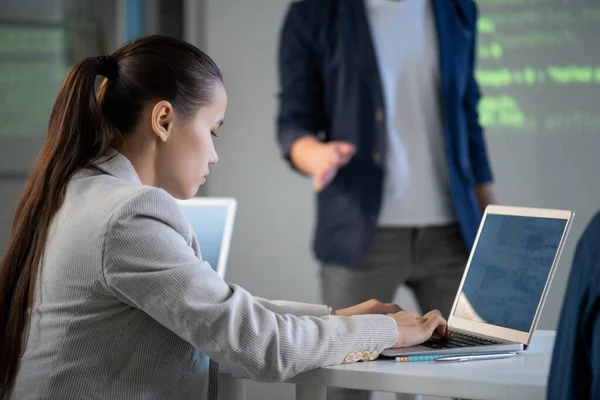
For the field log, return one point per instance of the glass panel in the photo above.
(40, 40)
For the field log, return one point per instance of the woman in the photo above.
(103, 292)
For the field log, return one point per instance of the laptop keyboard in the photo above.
(458, 340)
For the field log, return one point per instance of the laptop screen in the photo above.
(209, 222)
(509, 269)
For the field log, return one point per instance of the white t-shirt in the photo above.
(416, 188)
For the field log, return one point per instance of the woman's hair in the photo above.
(83, 127)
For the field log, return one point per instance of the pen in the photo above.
(454, 357)
(475, 357)
(405, 359)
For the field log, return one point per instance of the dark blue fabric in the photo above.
(330, 85)
(575, 370)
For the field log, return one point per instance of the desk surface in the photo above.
(520, 377)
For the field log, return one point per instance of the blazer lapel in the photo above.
(444, 42)
(360, 33)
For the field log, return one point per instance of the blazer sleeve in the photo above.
(295, 308)
(300, 97)
(149, 265)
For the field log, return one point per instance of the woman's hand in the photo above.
(414, 329)
(368, 307)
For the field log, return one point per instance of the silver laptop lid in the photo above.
(509, 271)
(212, 220)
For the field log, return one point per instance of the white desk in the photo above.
(520, 377)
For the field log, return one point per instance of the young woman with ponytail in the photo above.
(103, 291)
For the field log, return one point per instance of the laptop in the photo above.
(505, 282)
(212, 220)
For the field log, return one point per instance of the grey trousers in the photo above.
(429, 260)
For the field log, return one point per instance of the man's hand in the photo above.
(485, 195)
(320, 160)
(368, 307)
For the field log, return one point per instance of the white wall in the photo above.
(271, 249)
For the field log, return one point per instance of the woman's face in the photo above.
(184, 159)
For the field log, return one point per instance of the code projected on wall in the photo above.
(539, 66)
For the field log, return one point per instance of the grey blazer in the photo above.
(125, 308)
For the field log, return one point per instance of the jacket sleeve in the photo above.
(478, 154)
(295, 308)
(300, 97)
(149, 265)
(595, 355)
(591, 276)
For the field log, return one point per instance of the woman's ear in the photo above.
(163, 116)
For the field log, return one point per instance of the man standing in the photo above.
(378, 104)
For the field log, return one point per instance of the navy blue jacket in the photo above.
(575, 370)
(330, 87)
